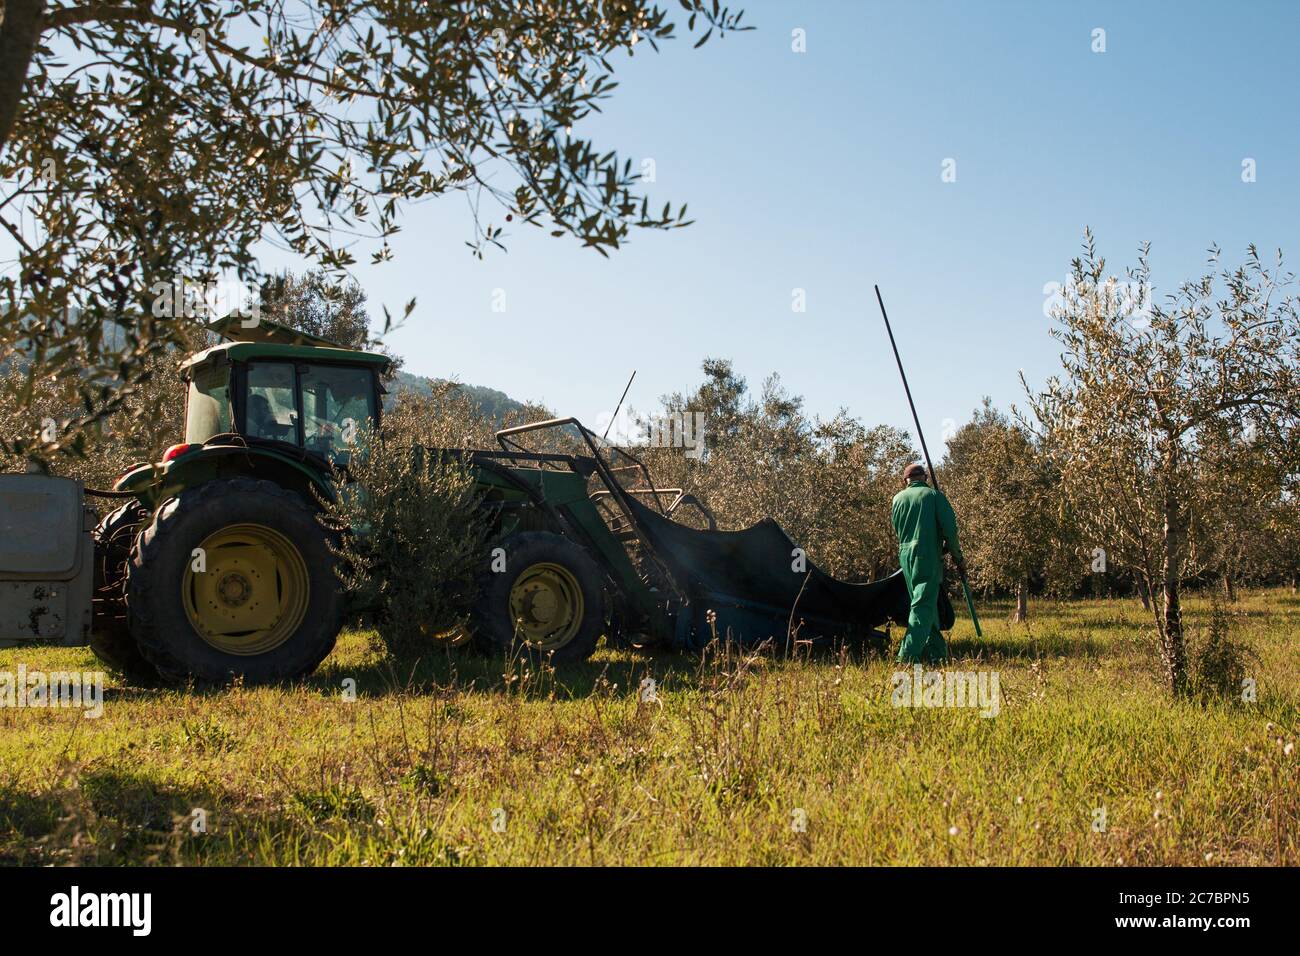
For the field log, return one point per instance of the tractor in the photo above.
(217, 566)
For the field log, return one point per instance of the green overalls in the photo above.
(924, 522)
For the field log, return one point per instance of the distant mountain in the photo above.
(492, 403)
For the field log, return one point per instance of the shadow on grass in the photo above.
(99, 817)
(133, 691)
(116, 817)
(1023, 648)
(24, 820)
(464, 669)
(1113, 628)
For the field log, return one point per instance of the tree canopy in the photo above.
(1150, 391)
(151, 145)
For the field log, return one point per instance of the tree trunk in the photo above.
(1229, 587)
(19, 31)
(1144, 591)
(1173, 647)
(1021, 612)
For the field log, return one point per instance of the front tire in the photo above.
(234, 579)
(549, 602)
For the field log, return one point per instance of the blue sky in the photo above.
(822, 171)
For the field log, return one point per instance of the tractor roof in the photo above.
(268, 339)
(245, 351)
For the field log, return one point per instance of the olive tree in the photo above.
(1245, 488)
(1145, 386)
(147, 148)
(325, 307)
(321, 306)
(827, 482)
(1005, 491)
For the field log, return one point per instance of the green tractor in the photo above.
(217, 567)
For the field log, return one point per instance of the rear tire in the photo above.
(110, 631)
(269, 551)
(549, 602)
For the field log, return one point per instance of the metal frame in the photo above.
(506, 438)
(681, 499)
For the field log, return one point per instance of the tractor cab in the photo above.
(314, 398)
(218, 565)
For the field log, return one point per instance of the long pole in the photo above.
(619, 406)
(934, 481)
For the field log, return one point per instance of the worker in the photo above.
(924, 523)
(261, 420)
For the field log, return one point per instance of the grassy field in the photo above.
(741, 759)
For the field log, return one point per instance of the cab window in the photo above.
(338, 403)
(272, 409)
(207, 404)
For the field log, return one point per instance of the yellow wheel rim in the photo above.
(546, 606)
(247, 590)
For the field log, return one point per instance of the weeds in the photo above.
(735, 757)
(1219, 665)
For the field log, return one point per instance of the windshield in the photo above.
(337, 403)
(207, 406)
(272, 410)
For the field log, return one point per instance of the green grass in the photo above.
(463, 760)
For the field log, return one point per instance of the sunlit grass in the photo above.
(740, 759)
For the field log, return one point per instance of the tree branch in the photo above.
(19, 31)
